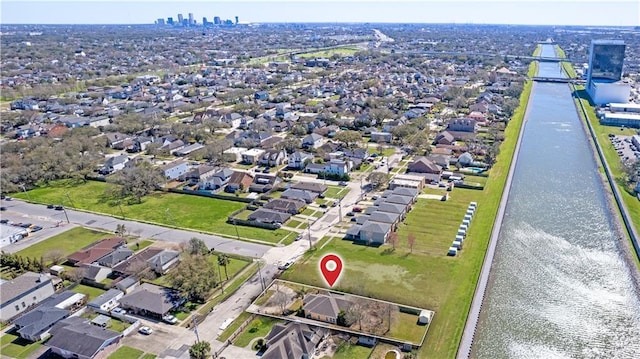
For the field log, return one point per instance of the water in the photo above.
(559, 287)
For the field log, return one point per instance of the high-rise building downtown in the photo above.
(606, 58)
(191, 21)
(180, 18)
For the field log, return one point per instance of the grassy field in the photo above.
(339, 51)
(258, 328)
(69, 241)
(228, 289)
(347, 350)
(427, 278)
(13, 346)
(171, 209)
(125, 352)
(336, 192)
(234, 326)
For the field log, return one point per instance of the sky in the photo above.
(519, 12)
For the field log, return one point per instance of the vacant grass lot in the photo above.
(258, 328)
(69, 241)
(336, 192)
(427, 278)
(170, 209)
(91, 292)
(340, 51)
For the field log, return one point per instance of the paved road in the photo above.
(38, 212)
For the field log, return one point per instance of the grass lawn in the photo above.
(170, 209)
(15, 347)
(148, 356)
(234, 326)
(347, 350)
(125, 352)
(140, 245)
(293, 223)
(69, 241)
(235, 265)
(340, 51)
(426, 278)
(91, 292)
(336, 192)
(258, 327)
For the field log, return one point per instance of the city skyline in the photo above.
(514, 12)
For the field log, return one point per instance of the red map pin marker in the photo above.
(331, 267)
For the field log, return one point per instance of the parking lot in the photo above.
(625, 148)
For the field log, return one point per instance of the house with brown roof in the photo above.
(424, 165)
(126, 267)
(239, 181)
(95, 251)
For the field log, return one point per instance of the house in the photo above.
(424, 165)
(127, 266)
(239, 181)
(75, 338)
(338, 167)
(293, 340)
(252, 156)
(407, 181)
(95, 273)
(233, 154)
(22, 292)
(299, 160)
(388, 207)
(152, 300)
(187, 150)
(263, 215)
(34, 325)
(385, 217)
(174, 169)
(299, 194)
(273, 158)
(162, 261)
(292, 206)
(315, 187)
(324, 308)
(312, 141)
(115, 257)
(95, 251)
(374, 232)
(199, 174)
(440, 160)
(378, 137)
(263, 183)
(217, 180)
(106, 301)
(407, 192)
(315, 168)
(127, 285)
(114, 164)
(462, 125)
(444, 138)
(465, 159)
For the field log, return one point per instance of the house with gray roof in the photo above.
(152, 300)
(34, 325)
(298, 194)
(299, 160)
(318, 188)
(161, 262)
(293, 340)
(292, 206)
(113, 164)
(95, 273)
(268, 216)
(374, 232)
(106, 301)
(325, 308)
(75, 337)
(23, 292)
(115, 257)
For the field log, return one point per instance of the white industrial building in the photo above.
(11, 234)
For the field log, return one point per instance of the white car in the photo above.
(170, 319)
(145, 330)
(119, 311)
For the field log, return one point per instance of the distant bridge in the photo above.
(557, 80)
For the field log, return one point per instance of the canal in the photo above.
(559, 286)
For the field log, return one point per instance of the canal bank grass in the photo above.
(168, 209)
(427, 278)
(613, 160)
(69, 241)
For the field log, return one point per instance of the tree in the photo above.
(378, 179)
(290, 144)
(194, 277)
(355, 313)
(223, 260)
(121, 230)
(196, 246)
(140, 269)
(76, 274)
(632, 170)
(349, 138)
(200, 350)
(139, 181)
(281, 299)
(55, 256)
(411, 240)
(393, 240)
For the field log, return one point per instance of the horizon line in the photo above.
(200, 25)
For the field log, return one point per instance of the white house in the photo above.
(22, 292)
(252, 156)
(106, 301)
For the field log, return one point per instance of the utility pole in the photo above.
(236, 227)
(195, 328)
(340, 210)
(260, 275)
(25, 191)
(70, 201)
(65, 214)
(309, 236)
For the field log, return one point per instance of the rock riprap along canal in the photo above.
(559, 285)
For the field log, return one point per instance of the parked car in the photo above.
(335, 203)
(59, 208)
(298, 237)
(4, 221)
(8, 199)
(324, 205)
(170, 319)
(342, 183)
(145, 330)
(36, 228)
(3, 208)
(285, 265)
(25, 225)
(50, 206)
(350, 214)
(354, 219)
(119, 311)
(357, 209)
